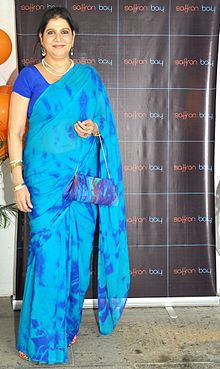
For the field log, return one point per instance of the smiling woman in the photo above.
(67, 105)
(56, 41)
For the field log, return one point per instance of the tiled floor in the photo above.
(145, 338)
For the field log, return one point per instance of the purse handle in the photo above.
(103, 156)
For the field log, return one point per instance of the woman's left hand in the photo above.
(85, 128)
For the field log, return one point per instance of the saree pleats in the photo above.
(62, 233)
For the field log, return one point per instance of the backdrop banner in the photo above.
(158, 60)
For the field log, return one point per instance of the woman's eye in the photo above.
(65, 32)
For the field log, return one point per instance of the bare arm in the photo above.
(16, 128)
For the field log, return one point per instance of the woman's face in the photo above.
(57, 38)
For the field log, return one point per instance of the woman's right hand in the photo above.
(23, 200)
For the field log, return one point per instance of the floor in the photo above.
(145, 338)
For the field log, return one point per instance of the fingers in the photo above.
(23, 201)
(29, 200)
(81, 130)
(87, 124)
(85, 128)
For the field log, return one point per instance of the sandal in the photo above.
(73, 341)
(22, 355)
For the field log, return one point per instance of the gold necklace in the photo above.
(58, 74)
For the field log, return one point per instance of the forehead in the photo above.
(57, 23)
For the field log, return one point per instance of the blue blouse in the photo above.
(30, 83)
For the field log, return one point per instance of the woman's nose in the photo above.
(58, 36)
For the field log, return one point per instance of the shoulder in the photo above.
(27, 70)
(95, 75)
(89, 68)
(23, 84)
(26, 74)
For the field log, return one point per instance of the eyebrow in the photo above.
(53, 29)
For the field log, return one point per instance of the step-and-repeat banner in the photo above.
(158, 60)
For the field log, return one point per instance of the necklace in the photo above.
(46, 65)
(54, 68)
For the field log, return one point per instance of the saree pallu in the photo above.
(62, 233)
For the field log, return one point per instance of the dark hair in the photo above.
(57, 12)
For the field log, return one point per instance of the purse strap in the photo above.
(103, 156)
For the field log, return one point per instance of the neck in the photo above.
(59, 64)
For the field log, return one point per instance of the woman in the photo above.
(67, 106)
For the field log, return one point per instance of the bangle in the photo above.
(16, 164)
(16, 161)
(18, 187)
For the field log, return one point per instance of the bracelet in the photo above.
(18, 187)
(16, 164)
(16, 161)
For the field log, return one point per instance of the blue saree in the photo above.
(61, 233)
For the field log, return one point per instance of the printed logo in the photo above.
(83, 60)
(135, 219)
(137, 272)
(32, 7)
(192, 219)
(88, 8)
(135, 115)
(192, 62)
(105, 61)
(156, 167)
(36, 7)
(155, 115)
(142, 167)
(195, 8)
(151, 219)
(142, 115)
(135, 167)
(184, 167)
(150, 271)
(137, 8)
(185, 115)
(134, 62)
(157, 8)
(184, 271)
(184, 219)
(31, 60)
(192, 167)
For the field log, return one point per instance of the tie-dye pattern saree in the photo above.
(62, 234)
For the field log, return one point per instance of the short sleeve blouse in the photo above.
(30, 83)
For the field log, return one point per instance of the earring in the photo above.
(71, 51)
(43, 51)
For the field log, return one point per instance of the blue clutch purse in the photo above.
(89, 189)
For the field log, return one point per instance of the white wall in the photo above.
(7, 236)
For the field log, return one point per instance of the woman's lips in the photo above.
(58, 46)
